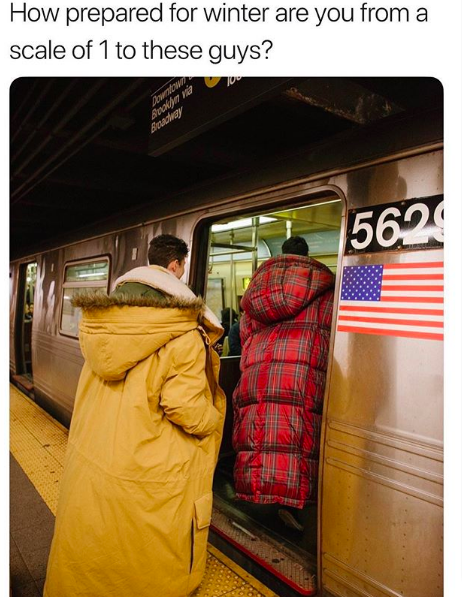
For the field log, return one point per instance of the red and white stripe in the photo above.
(411, 304)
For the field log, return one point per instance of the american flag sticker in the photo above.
(394, 299)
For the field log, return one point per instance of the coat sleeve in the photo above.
(185, 398)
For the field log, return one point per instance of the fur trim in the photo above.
(159, 278)
(162, 279)
(96, 300)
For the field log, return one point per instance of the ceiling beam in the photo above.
(343, 98)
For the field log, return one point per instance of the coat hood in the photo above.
(117, 332)
(285, 285)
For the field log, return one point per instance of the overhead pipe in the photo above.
(83, 100)
(59, 164)
(24, 102)
(32, 109)
(72, 141)
(52, 109)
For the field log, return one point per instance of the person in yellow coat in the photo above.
(136, 493)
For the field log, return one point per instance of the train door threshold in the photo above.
(289, 568)
(25, 382)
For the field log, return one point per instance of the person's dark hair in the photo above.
(225, 313)
(165, 248)
(296, 245)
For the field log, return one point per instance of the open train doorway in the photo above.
(23, 324)
(279, 549)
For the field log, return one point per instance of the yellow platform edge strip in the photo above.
(256, 584)
(223, 577)
(39, 408)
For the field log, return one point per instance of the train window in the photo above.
(91, 276)
(239, 245)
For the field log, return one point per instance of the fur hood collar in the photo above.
(176, 296)
(94, 300)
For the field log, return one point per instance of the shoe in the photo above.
(289, 520)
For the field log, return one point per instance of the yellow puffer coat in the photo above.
(136, 493)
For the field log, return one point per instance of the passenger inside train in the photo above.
(24, 325)
(234, 337)
(238, 247)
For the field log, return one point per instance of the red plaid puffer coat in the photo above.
(285, 333)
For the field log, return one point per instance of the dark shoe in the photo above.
(289, 520)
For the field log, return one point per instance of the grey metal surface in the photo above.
(382, 484)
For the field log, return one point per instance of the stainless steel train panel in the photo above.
(416, 176)
(382, 477)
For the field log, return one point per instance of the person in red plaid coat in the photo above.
(285, 332)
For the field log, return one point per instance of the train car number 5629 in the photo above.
(403, 225)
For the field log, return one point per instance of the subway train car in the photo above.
(370, 205)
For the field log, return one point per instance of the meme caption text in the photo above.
(96, 18)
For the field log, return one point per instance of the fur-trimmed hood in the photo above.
(117, 332)
(89, 301)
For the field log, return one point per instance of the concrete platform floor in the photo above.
(31, 531)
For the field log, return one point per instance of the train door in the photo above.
(23, 324)
(281, 552)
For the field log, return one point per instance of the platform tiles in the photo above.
(38, 443)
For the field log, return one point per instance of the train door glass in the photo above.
(238, 245)
(24, 316)
(82, 277)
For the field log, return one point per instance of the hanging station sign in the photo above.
(184, 107)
